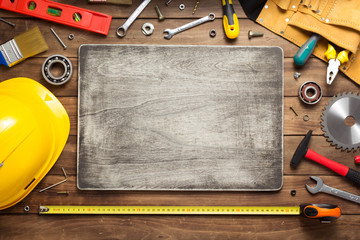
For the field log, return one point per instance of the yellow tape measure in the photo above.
(172, 210)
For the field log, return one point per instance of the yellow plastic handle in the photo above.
(230, 20)
(330, 52)
(343, 56)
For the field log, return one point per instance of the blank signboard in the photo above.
(155, 117)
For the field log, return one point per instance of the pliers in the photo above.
(334, 62)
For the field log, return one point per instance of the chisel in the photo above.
(230, 20)
(305, 51)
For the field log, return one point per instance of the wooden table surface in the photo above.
(17, 224)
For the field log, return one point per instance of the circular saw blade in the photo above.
(333, 121)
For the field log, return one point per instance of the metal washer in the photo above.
(63, 78)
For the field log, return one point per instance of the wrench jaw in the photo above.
(169, 34)
(319, 184)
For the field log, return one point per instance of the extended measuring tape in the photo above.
(324, 212)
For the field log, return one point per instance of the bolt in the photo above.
(160, 15)
(58, 38)
(291, 107)
(252, 34)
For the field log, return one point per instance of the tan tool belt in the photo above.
(337, 21)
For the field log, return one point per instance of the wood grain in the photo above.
(172, 114)
(177, 227)
(15, 224)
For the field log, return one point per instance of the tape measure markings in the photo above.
(176, 210)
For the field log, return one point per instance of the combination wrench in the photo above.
(172, 32)
(321, 187)
(121, 31)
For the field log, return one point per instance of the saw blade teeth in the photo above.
(331, 114)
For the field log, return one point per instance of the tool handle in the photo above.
(330, 52)
(343, 170)
(230, 20)
(340, 193)
(353, 175)
(343, 56)
(336, 167)
(305, 51)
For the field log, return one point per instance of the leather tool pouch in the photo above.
(337, 21)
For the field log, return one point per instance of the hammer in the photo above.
(303, 151)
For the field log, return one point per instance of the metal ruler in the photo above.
(173, 210)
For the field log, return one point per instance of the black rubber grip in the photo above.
(229, 12)
(353, 175)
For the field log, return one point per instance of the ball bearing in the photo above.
(310, 92)
(49, 63)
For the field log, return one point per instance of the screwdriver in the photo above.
(303, 54)
(230, 20)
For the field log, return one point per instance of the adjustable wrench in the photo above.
(121, 31)
(321, 187)
(172, 32)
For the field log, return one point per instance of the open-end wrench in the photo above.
(172, 32)
(321, 187)
(121, 31)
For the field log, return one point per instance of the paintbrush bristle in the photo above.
(31, 42)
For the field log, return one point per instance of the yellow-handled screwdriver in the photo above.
(230, 20)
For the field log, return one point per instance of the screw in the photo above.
(297, 75)
(196, 5)
(293, 192)
(291, 107)
(252, 34)
(58, 38)
(160, 15)
(63, 193)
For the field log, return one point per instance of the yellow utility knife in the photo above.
(230, 20)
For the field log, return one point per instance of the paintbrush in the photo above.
(23, 46)
(125, 2)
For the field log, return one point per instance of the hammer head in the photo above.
(301, 150)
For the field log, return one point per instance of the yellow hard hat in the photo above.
(34, 128)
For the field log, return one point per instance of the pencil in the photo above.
(23, 46)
